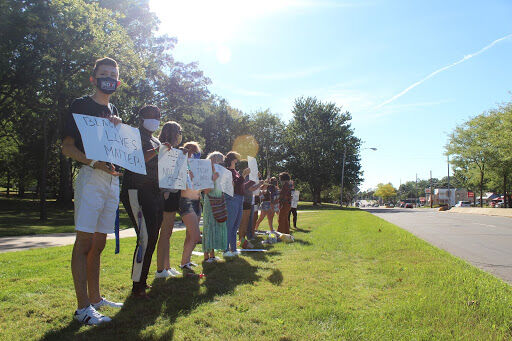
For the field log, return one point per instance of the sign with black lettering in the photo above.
(172, 168)
(103, 141)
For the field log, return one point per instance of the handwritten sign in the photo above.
(295, 198)
(225, 180)
(172, 168)
(202, 173)
(118, 144)
(253, 165)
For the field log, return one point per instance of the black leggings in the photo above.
(294, 212)
(145, 208)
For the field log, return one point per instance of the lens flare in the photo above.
(246, 145)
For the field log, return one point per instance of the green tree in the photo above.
(315, 140)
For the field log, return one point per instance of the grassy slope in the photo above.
(341, 279)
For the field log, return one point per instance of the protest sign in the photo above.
(253, 165)
(225, 180)
(201, 173)
(295, 198)
(118, 144)
(172, 168)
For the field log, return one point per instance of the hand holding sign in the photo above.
(202, 173)
(172, 168)
(225, 180)
(118, 144)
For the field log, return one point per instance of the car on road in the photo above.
(463, 204)
(408, 205)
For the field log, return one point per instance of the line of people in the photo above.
(153, 210)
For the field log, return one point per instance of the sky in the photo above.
(408, 72)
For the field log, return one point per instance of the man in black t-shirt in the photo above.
(143, 201)
(96, 195)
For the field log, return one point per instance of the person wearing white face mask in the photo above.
(142, 200)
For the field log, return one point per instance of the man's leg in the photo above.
(93, 266)
(83, 243)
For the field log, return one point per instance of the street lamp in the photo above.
(343, 170)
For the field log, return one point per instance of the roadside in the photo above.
(499, 212)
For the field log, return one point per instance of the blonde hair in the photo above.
(194, 144)
(216, 157)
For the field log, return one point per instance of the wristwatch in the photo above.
(92, 163)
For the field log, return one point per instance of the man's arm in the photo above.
(70, 150)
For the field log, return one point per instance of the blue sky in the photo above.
(407, 71)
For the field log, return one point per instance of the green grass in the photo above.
(341, 279)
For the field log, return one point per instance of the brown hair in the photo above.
(284, 176)
(103, 61)
(232, 155)
(170, 132)
(193, 144)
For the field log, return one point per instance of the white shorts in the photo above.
(96, 200)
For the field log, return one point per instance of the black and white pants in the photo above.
(145, 208)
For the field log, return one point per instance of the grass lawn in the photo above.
(341, 279)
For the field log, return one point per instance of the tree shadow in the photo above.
(298, 229)
(276, 278)
(169, 299)
(302, 242)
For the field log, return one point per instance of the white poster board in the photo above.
(253, 166)
(118, 144)
(225, 180)
(202, 173)
(172, 168)
(295, 198)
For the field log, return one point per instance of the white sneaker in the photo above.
(210, 260)
(236, 253)
(215, 259)
(174, 272)
(91, 316)
(163, 274)
(106, 303)
(227, 254)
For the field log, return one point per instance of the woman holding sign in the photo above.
(285, 200)
(214, 217)
(171, 133)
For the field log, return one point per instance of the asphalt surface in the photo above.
(484, 241)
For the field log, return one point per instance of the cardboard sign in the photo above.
(172, 168)
(225, 180)
(295, 198)
(202, 173)
(103, 141)
(253, 166)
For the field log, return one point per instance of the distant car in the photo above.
(409, 205)
(463, 204)
(375, 205)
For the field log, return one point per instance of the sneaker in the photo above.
(174, 272)
(227, 254)
(215, 259)
(187, 269)
(247, 245)
(192, 264)
(210, 260)
(106, 303)
(236, 253)
(163, 274)
(91, 316)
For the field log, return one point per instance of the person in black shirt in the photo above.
(96, 195)
(142, 199)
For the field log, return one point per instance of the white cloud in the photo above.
(466, 57)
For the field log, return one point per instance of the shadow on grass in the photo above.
(276, 278)
(302, 242)
(169, 300)
(298, 229)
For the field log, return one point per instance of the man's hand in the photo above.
(107, 168)
(246, 172)
(115, 120)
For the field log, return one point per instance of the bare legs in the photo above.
(162, 252)
(193, 236)
(85, 266)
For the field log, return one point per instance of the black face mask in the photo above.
(106, 85)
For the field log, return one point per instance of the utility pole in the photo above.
(343, 174)
(449, 193)
(416, 190)
(431, 202)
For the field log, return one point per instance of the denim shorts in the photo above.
(190, 206)
(265, 206)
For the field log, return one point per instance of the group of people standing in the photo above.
(151, 209)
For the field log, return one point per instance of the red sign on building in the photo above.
(471, 194)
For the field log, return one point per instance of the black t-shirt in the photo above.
(135, 180)
(85, 106)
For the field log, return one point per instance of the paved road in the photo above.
(484, 241)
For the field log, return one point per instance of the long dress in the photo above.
(214, 233)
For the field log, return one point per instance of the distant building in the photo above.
(445, 196)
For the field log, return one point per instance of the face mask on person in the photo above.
(151, 124)
(196, 155)
(107, 85)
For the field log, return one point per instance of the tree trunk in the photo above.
(481, 188)
(43, 214)
(65, 186)
(8, 181)
(505, 201)
(316, 192)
